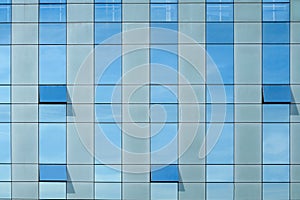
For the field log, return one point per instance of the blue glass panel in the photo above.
(5, 190)
(228, 116)
(52, 13)
(276, 143)
(112, 74)
(112, 132)
(105, 30)
(4, 94)
(164, 112)
(219, 173)
(276, 113)
(164, 33)
(52, 1)
(53, 94)
(108, 113)
(105, 173)
(269, 1)
(276, 33)
(219, 12)
(52, 64)
(108, 94)
(218, 191)
(164, 174)
(228, 93)
(276, 173)
(277, 94)
(163, 94)
(52, 33)
(222, 56)
(163, 57)
(5, 63)
(276, 64)
(108, 1)
(108, 12)
(53, 173)
(5, 1)
(4, 113)
(4, 35)
(276, 191)
(5, 12)
(276, 12)
(52, 143)
(163, 12)
(163, 1)
(52, 113)
(219, 32)
(222, 153)
(5, 156)
(5, 172)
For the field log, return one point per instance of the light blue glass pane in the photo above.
(105, 173)
(53, 13)
(5, 172)
(164, 113)
(52, 33)
(218, 1)
(222, 152)
(162, 137)
(5, 190)
(276, 64)
(164, 191)
(107, 94)
(108, 113)
(52, 64)
(5, 1)
(165, 174)
(112, 74)
(164, 36)
(228, 116)
(164, 12)
(5, 34)
(276, 1)
(163, 94)
(163, 57)
(105, 30)
(219, 32)
(5, 12)
(219, 12)
(217, 191)
(171, 26)
(4, 113)
(112, 133)
(275, 191)
(5, 144)
(276, 113)
(53, 190)
(52, 113)
(219, 173)
(53, 173)
(52, 145)
(228, 93)
(163, 1)
(4, 94)
(108, 191)
(53, 94)
(276, 173)
(108, 12)
(5, 63)
(275, 143)
(276, 33)
(276, 12)
(52, 1)
(222, 56)
(108, 1)
(277, 94)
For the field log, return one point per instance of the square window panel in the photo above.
(52, 113)
(277, 94)
(108, 112)
(108, 173)
(164, 113)
(52, 33)
(276, 113)
(53, 173)
(164, 191)
(52, 13)
(275, 191)
(112, 71)
(52, 94)
(276, 12)
(276, 173)
(108, 94)
(163, 94)
(164, 33)
(276, 33)
(103, 31)
(108, 190)
(108, 12)
(52, 143)
(219, 173)
(213, 94)
(162, 173)
(163, 12)
(5, 190)
(219, 12)
(213, 31)
(5, 172)
(218, 191)
(217, 112)
(52, 190)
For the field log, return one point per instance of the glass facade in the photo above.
(150, 99)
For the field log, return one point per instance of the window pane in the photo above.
(276, 113)
(277, 94)
(219, 12)
(164, 191)
(5, 35)
(53, 191)
(52, 33)
(222, 191)
(5, 172)
(104, 173)
(52, 13)
(276, 12)
(164, 113)
(108, 191)
(4, 113)
(104, 31)
(108, 12)
(219, 173)
(52, 146)
(276, 64)
(213, 30)
(52, 1)
(164, 173)
(276, 173)
(275, 191)
(163, 12)
(5, 11)
(275, 143)
(53, 173)
(4, 94)
(5, 190)
(52, 113)
(163, 94)
(5, 142)
(276, 33)
(108, 94)
(228, 92)
(5, 63)
(52, 64)
(53, 94)
(108, 113)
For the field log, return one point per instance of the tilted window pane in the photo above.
(52, 94)
(53, 173)
(277, 94)
(168, 173)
